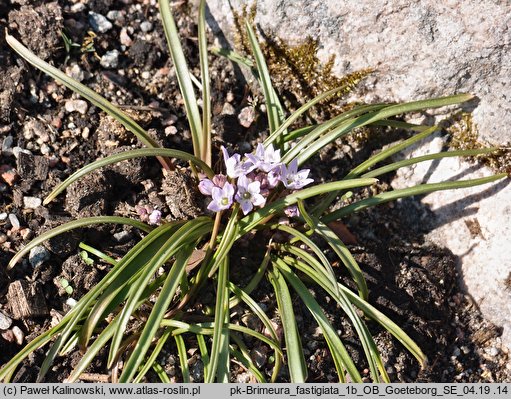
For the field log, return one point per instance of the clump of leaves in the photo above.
(266, 186)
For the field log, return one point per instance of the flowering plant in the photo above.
(134, 311)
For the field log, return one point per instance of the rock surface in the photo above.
(419, 50)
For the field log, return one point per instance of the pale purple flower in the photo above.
(222, 197)
(293, 178)
(155, 217)
(265, 159)
(249, 194)
(206, 185)
(273, 176)
(234, 166)
(292, 211)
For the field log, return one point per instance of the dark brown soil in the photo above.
(412, 282)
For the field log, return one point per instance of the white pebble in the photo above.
(15, 223)
(16, 151)
(71, 302)
(80, 106)
(5, 321)
(18, 334)
(32, 202)
(110, 59)
(146, 26)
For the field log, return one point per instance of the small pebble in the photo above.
(170, 130)
(16, 151)
(114, 15)
(15, 223)
(5, 321)
(71, 302)
(246, 116)
(80, 106)
(122, 236)
(45, 149)
(18, 335)
(38, 255)
(146, 75)
(124, 38)
(493, 351)
(228, 109)
(8, 174)
(8, 336)
(32, 202)
(75, 72)
(3, 215)
(99, 23)
(110, 59)
(7, 145)
(78, 7)
(3, 238)
(259, 356)
(146, 26)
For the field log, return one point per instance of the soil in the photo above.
(411, 281)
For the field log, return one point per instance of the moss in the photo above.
(465, 136)
(297, 72)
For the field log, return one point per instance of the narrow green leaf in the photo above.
(375, 116)
(339, 353)
(299, 112)
(250, 221)
(165, 297)
(206, 93)
(183, 358)
(154, 354)
(220, 331)
(389, 152)
(180, 241)
(335, 127)
(273, 107)
(107, 292)
(122, 156)
(429, 157)
(408, 192)
(75, 224)
(295, 357)
(183, 78)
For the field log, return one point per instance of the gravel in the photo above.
(15, 223)
(5, 321)
(38, 255)
(110, 59)
(32, 202)
(146, 26)
(99, 23)
(80, 106)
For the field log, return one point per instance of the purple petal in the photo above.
(246, 206)
(254, 187)
(228, 190)
(213, 206)
(258, 200)
(205, 186)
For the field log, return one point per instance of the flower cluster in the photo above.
(250, 179)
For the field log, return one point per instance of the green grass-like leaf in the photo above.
(183, 78)
(295, 357)
(274, 108)
(407, 192)
(75, 224)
